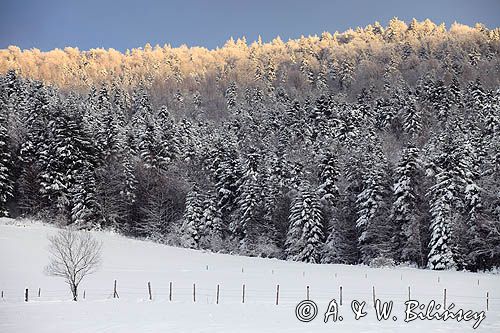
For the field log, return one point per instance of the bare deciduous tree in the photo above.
(73, 255)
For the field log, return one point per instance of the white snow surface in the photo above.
(134, 263)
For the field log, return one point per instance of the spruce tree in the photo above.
(227, 174)
(407, 241)
(151, 151)
(34, 118)
(328, 174)
(412, 121)
(445, 206)
(122, 104)
(249, 202)
(84, 206)
(192, 228)
(167, 136)
(77, 160)
(6, 182)
(129, 180)
(373, 228)
(211, 224)
(305, 234)
(231, 95)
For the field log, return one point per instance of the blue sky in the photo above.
(47, 24)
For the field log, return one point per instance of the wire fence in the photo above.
(219, 294)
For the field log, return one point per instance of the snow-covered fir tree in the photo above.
(305, 233)
(249, 202)
(151, 151)
(192, 227)
(167, 136)
(71, 144)
(6, 181)
(328, 190)
(405, 215)
(84, 206)
(445, 205)
(211, 224)
(231, 95)
(227, 174)
(412, 121)
(373, 228)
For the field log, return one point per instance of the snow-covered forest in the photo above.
(378, 145)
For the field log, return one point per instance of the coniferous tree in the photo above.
(129, 180)
(151, 151)
(405, 215)
(374, 231)
(167, 136)
(227, 174)
(34, 146)
(305, 234)
(231, 94)
(122, 104)
(76, 163)
(192, 228)
(249, 202)
(6, 182)
(412, 122)
(329, 173)
(467, 235)
(68, 141)
(211, 224)
(111, 135)
(141, 110)
(444, 202)
(84, 210)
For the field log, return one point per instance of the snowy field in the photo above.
(133, 263)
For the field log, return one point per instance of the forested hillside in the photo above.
(376, 145)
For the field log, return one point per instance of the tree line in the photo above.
(323, 150)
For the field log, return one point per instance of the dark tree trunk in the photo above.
(74, 291)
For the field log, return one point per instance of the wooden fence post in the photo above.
(26, 295)
(149, 290)
(84, 294)
(194, 292)
(39, 291)
(340, 295)
(487, 301)
(243, 295)
(217, 298)
(277, 294)
(2, 294)
(307, 292)
(444, 299)
(170, 291)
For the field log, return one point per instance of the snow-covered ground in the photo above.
(133, 263)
